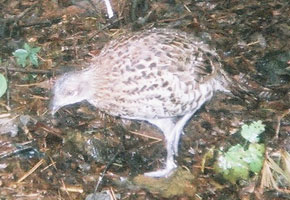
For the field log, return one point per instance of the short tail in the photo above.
(244, 84)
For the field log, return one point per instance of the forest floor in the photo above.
(80, 150)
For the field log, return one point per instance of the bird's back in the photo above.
(154, 74)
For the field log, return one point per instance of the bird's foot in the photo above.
(170, 166)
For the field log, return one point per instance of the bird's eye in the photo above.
(69, 93)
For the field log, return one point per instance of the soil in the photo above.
(81, 150)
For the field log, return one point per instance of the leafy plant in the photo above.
(3, 85)
(27, 55)
(238, 161)
(251, 132)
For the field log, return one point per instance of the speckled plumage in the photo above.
(162, 76)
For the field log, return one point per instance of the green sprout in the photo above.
(3, 85)
(27, 55)
(238, 161)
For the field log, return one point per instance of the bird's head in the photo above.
(69, 89)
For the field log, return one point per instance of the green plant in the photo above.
(3, 85)
(238, 161)
(27, 55)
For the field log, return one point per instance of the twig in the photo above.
(36, 71)
(18, 17)
(105, 170)
(146, 136)
(103, 28)
(54, 131)
(77, 189)
(112, 194)
(279, 118)
(20, 148)
(40, 97)
(31, 171)
(21, 15)
(44, 23)
(93, 5)
(8, 86)
(14, 20)
(65, 190)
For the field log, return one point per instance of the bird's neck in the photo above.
(222, 82)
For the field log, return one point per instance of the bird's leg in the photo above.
(167, 127)
(172, 132)
(178, 130)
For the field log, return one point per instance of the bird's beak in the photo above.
(54, 108)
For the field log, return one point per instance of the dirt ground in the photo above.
(80, 150)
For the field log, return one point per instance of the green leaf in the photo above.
(225, 160)
(29, 77)
(35, 50)
(237, 173)
(251, 132)
(33, 55)
(255, 157)
(21, 56)
(232, 165)
(3, 85)
(33, 59)
(238, 162)
(27, 55)
(27, 47)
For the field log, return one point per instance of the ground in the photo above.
(63, 156)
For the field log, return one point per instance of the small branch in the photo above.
(279, 118)
(105, 27)
(8, 87)
(15, 19)
(120, 149)
(46, 22)
(36, 71)
(147, 136)
(31, 171)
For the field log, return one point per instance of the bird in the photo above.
(161, 76)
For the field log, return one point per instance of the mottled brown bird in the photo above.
(161, 76)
